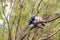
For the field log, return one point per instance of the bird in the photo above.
(35, 19)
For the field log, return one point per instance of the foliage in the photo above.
(48, 9)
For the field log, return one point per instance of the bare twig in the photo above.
(39, 5)
(46, 38)
(19, 17)
(29, 31)
(28, 36)
(25, 35)
(4, 1)
(13, 23)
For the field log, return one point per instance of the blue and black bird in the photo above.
(32, 20)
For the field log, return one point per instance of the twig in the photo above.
(25, 35)
(51, 34)
(29, 31)
(19, 17)
(13, 23)
(28, 36)
(9, 37)
(39, 5)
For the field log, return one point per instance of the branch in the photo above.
(46, 38)
(39, 5)
(19, 17)
(13, 23)
(3, 7)
(26, 35)
(46, 21)
(30, 30)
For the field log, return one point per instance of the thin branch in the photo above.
(11, 7)
(13, 23)
(51, 34)
(22, 30)
(25, 35)
(19, 17)
(30, 30)
(40, 1)
(28, 36)
(3, 7)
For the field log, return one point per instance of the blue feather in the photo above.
(32, 19)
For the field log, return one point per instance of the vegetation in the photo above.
(15, 16)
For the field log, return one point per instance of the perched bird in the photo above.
(35, 19)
